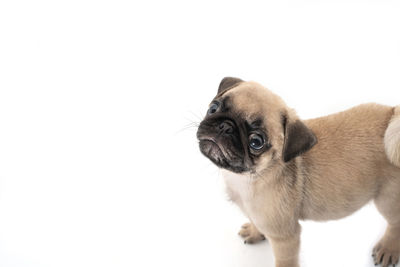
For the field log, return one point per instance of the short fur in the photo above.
(320, 169)
(392, 139)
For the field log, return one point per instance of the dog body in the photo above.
(319, 169)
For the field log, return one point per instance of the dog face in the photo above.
(247, 128)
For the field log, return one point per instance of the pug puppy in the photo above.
(280, 169)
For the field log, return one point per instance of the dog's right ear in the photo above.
(228, 83)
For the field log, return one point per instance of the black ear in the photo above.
(227, 83)
(298, 139)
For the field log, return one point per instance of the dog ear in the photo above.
(298, 139)
(228, 83)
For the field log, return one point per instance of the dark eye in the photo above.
(213, 108)
(256, 141)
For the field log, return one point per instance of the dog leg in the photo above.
(250, 234)
(286, 249)
(387, 250)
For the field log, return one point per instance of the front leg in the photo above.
(286, 248)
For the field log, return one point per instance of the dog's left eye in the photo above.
(213, 108)
(256, 141)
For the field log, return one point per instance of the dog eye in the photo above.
(256, 141)
(213, 108)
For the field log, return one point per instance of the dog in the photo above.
(280, 169)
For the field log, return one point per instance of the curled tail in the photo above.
(392, 138)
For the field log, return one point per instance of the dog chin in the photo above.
(213, 151)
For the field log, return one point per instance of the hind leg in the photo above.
(387, 250)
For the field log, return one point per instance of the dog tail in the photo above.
(392, 138)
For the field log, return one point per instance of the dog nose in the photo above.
(226, 127)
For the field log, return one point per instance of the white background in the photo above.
(99, 164)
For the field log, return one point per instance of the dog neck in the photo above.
(265, 187)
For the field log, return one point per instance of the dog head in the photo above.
(247, 128)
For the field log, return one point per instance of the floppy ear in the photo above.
(227, 83)
(298, 139)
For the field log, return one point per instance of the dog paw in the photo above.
(385, 254)
(250, 234)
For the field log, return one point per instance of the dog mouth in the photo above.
(213, 151)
